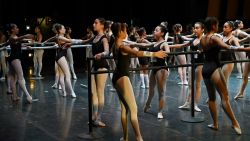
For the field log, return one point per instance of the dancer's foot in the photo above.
(146, 108)
(237, 130)
(54, 86)
(213, 127)
(73, 95)
(197, 109)
(74, 76)
(160, 115)
(186, 106)
(29, 98)
(238, 96)
(99, 124)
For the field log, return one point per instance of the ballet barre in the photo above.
(48, 47)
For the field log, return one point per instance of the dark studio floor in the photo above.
(55, 118)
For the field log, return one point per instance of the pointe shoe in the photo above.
(211, 126)
(160, 116)
(29, 98)
(146, 108)
(238, 96)
(143, 86)
(73, 95)
(237, 130)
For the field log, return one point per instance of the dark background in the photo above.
(79, 14)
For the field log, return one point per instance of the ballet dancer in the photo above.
(121, 79)
(181, 59)
(100, 48)
(158, 77)
(63, 43)
(143, 61)
(38, 53)
(229, 39)
(198, 58)
(213, 76)
(70, 57)
(240, 34)
(15, 67)
(3, 54)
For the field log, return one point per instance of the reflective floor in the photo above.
(55, 118)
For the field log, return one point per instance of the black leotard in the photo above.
(157, 62)
(96, 49)
(226, 55)
(16, 51)
(178, 40)
(198, 58)
(211, 62)
(143, 60)
(122, 66)
(61, 51)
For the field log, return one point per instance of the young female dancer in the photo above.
(181, 59)
(15, 67)
(158, 77)
(199, 58)
(64, 43)
(3, 54)
(245, 74)
(229, 39)
(143, 61)
(70, 58)
(213, 76)
(121, 78)
(100, 48)
(238, 33)
(38, 53)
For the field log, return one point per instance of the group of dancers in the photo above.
(112, 39)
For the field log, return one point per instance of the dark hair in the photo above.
(163, 29)
(165, 23)
(201, 24)
(210, 22)
(231, 24)
(103, 22)
(177, 27)
(108, 23)
(9, 27)
(56, 27)
(117, 28)
(67, 29)
(141, 30)
(236, 23)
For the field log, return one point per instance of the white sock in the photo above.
(146, 80)
(142, 79)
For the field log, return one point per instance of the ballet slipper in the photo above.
(99, 124)
(211, 126)
(29, 98)
(238, 96)
(237, 130)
